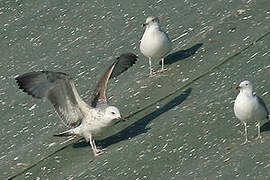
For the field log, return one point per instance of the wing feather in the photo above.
(264, 106)
(121, 64)
(59, 88)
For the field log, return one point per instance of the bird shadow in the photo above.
(265, 127)
(139, 126)
(182, 54)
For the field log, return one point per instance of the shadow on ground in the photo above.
(182, 54)
(265, 127)
(138, 127)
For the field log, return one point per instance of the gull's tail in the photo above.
(65, 133)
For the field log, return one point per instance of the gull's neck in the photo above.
(248, 92)
(153, 27)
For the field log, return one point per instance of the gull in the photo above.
(249, 107)
(81, 119)
(155, 43)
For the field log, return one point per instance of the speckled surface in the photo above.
(179, 124)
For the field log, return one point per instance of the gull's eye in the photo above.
(246, 84)
(113, 112)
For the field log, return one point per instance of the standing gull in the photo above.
(155, 43)
(249, 107)
(82, 119)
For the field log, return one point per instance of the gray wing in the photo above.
(121, 64)
(59, 88)
(261, 102)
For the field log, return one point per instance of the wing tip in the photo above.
(130, 56)
(127, 59)
(123, 62)
(25, 82)
(28, 82)
(24, 89)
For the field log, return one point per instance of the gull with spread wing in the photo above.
(82, 119)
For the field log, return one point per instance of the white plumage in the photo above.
(83, 119)
(249, 107)
(155, 43)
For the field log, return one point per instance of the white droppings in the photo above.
(32, 107)
(182, 35)
(185, 79)
(28, 174)
(69, 139)
(265, 93)
(51, 144)
(92, 69)
(247, 17)
(165, 145)
(2, 157)
(143, 87)
(253, 55)
(245, 38)
(241, 11)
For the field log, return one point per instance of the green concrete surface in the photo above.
(179, 124)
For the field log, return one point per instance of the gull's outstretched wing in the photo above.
(121, 64)
(59, 88)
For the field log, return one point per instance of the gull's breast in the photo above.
(155, 44)
(246, 108)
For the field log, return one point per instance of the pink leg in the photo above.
(246, 135)
(259, 131)
(151, 73)
(162, 66)
(96, 151)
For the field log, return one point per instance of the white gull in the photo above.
(155, 43)
(249, 107)
(82, 119)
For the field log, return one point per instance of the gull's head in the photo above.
(245, 86)
(112, 113)
(151, 20)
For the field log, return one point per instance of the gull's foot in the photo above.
(162, 70)
(98, 152)
(246, 142)
(259, 138)
(152, 74)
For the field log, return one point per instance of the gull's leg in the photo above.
(150, 67)
(259, 131)
(246, 141)
(162, 66)
(96, 151)
(93, 145)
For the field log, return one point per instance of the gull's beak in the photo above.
(237, 87)
(118, 120)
